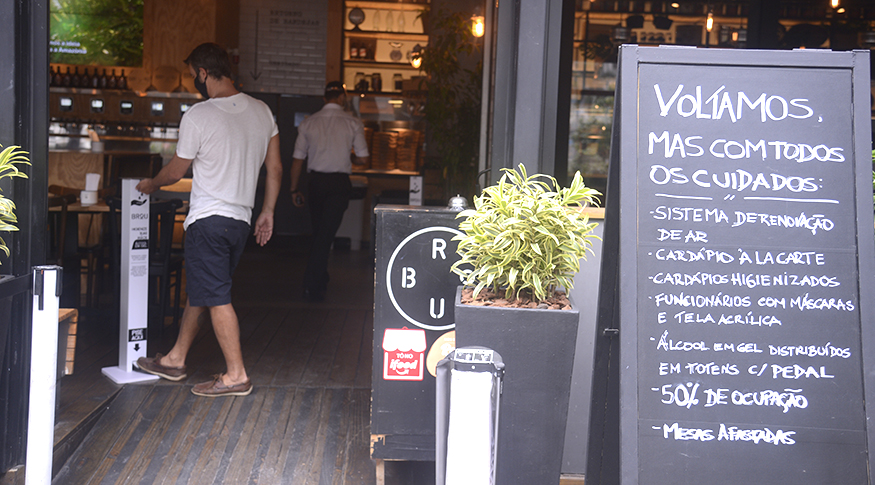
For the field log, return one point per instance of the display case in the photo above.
(380, 40)
(600, 27)
(395, 131)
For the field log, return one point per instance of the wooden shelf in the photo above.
(387, 5)
(377, 34)
(350, 63)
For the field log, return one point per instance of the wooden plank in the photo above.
(341, 447)
(333, 446)
(324, 351)
(358, 466)
(381, 472)
(366, 357)
(310, 463)
(301, 349)
(281, 435)
(242, 462)
(202, 434)
(157, 414)
(304, 428)
(78, 403)
(276, 355)
(205, 470)
(182, 445)
(571, 480)
(349, 348)
(260, 342)
(99, 449)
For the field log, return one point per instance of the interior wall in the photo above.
(171, 29)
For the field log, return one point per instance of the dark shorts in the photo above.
(213, 247)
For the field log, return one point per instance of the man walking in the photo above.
(325, 140)
(225, 140)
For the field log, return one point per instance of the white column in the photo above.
(43, 375)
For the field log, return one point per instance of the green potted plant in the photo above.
(10, 158)
(521, 248)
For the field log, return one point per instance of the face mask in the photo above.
(201, 86)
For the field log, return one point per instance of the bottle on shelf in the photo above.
(67, 78)
(377, 82)
(112, 82)
(400, 21)
(56, 77)
(375, 22)
(363, 51)
(95, 79)
(103, 81)
(353, 50)
(76, 80)
(390, 21)
(122, 81)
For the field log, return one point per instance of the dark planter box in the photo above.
(538, 351)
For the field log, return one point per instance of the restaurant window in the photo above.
(601, 26)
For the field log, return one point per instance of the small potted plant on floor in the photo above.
(521, 248)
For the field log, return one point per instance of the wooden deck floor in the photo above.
(306, 422)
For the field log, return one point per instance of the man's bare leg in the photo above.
(227, 329)
(193, 317)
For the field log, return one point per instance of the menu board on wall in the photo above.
(745, 266)
(283, 46)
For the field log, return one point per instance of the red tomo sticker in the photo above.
(403, 354)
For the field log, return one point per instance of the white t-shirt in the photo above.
(325, 139)
(226, 139)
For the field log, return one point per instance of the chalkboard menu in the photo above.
(745, 266)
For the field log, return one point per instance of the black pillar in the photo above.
(23, 122)
(762, 24)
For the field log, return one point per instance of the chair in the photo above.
(58, 228)
(165, 267)
(91, 254)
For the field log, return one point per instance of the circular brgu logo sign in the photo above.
(419, 282)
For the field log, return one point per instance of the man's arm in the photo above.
(297, 167)
(274, 167)
(169, 174)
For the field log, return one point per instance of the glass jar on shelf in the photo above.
(360, 82)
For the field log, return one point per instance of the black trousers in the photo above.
(328, 196)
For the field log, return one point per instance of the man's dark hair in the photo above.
(334, 90)
(212, 58)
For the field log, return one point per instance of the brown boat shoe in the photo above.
(153, 366)
(216, 388)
